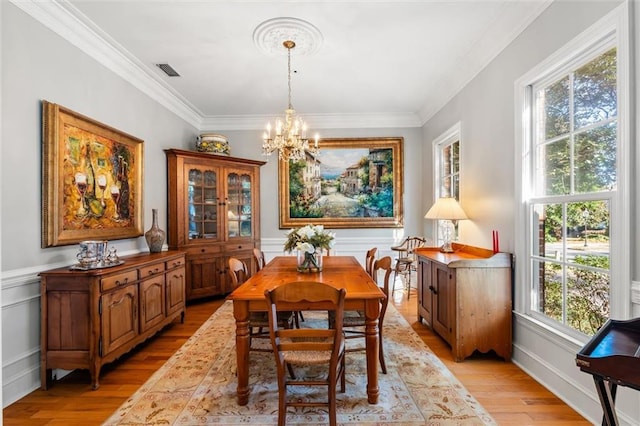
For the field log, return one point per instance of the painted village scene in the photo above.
(342, 183)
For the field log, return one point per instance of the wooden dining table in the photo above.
(339, 271)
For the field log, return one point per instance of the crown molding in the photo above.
(316, 121)
(69, 23)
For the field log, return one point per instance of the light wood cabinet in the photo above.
(214, 213)
(90, 318)
(466, 298)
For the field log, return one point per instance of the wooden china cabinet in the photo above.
(214, 213)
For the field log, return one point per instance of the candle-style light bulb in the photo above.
(316, 139)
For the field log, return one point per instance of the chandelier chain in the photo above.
(289, 74)
(290, 138)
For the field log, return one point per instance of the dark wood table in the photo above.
(612, 357)
(339, 271)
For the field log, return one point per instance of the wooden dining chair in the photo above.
(238, 272)
(369, 259)
(258, 321)
(302, 347)
(406, 261)
(258, 255)
(354, 322)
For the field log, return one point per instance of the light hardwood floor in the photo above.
(510, 396)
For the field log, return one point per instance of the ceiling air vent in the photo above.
(168, 70)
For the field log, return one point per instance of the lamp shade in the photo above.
(446, 208)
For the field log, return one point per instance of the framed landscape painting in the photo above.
(91, 179)
(352, 183)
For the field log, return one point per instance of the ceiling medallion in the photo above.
(268, 36)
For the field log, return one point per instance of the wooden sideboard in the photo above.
(90, 318)
(466, 298)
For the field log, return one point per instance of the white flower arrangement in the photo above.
(309, 238)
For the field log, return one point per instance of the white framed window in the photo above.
(575, 176)
(446, 170)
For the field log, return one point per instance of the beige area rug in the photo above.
(197, 385)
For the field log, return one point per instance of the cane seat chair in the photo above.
(354, 322)
(304, 347)
(258, 321)
(406, 261)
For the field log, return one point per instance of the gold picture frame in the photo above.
(91, 179)
(353, 183)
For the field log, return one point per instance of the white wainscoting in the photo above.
(20, 334)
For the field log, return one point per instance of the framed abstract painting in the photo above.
(91, 179)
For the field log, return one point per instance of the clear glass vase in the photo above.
(309, 262)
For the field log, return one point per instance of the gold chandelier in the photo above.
(290, 136)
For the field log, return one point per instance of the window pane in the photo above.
(588, 233)
(548, 298)
(555, 173)
(445, 187)
(587, 299)
(595, 96)
(447, 167)
(548, 220)
(455, 190)
(595, 159)
(555, 101)
(455, 157)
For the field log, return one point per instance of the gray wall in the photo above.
(38, 64)
(485, 108)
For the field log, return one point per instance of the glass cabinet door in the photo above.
(239, 203)
(202, 204)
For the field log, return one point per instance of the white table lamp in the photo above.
(447, 210)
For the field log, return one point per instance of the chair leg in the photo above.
(291, 373)
(343, 373)
(332, 405)
(282, 411)
(381, 352)
(408, 283)
(395, 275)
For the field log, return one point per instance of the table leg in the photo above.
(372, 312)
(241, 314)
(606, 393)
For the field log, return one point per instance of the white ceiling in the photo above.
(380, 62)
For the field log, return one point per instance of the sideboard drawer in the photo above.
(175, 263)
(150, 270)
(113, 281)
